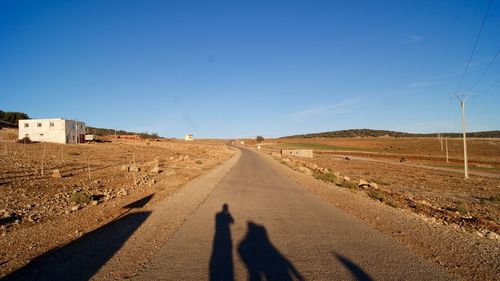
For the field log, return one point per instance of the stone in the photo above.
(134, 168)
(346, 178)
(94, 202)
(286, 160)
(156, 170)
(56, 174)
(492, 235)
(374, 185)
(363, 184)
(305, 170)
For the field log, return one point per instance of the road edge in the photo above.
(466, 256)
(167, 217)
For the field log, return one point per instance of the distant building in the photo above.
(56, 130)
(90, 137)
(188, 137)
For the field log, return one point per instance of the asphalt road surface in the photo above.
(259, 225)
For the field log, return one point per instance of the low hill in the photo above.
(109, 132)
(352, 133)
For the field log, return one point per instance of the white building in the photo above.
(56, 130)
(188, 137)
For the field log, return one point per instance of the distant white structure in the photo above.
(56, 130)
(188, 137)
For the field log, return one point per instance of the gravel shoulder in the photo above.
(463, 254)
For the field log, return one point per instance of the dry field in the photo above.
(85, 186)
(412, 173)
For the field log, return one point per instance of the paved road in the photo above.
(273, 229)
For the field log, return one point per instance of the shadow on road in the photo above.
(139, 203)
(262, 259)
(221, 261)
(355, 270)
(82, 258)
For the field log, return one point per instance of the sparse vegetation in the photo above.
(199, 162)
(72, 153)
(461, 208)
(80, 197)
(375, 195)
(348, 184)
(328, 177)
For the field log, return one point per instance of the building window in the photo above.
(41, 135)
(26, 135)
(26, 125)
(39, 124)
(51, 124)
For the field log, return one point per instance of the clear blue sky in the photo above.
(242, 68)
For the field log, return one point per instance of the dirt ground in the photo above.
(465, 255)
(408, 177)
(50, 194)
(483, 154)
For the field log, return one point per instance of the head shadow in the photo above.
(355, 270)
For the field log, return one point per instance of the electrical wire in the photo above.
(474, 48)
(485, 71)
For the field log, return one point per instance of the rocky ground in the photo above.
(50, 193)
(464, 254)
(471, 205)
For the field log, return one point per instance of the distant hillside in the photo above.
(352, 133)
(108, 132)
(12, 117)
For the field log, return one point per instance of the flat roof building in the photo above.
(57, 130)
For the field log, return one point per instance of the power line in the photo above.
(484, 72)
(474, 49)
(489, 89)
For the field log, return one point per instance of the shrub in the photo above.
(80, 197)
(199, 162)
(461, 208)
(348, 184)
(73, 153)
(392, 203)
(376, 195)
(25, 140)
(259, 138)
(328, 177)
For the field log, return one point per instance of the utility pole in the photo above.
(446, 144)
(441, 140)
(466, 165)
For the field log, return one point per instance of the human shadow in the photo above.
(262, 259)
(355, 270)
(80, 259)
(221, 260)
